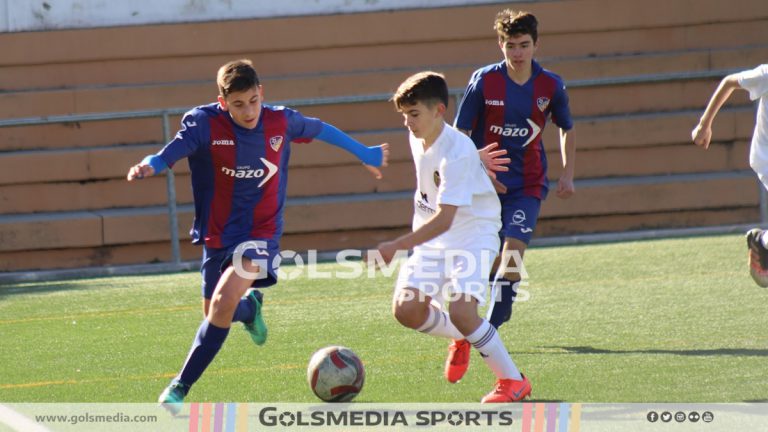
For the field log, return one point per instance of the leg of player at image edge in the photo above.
(758, 256)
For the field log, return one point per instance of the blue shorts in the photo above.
(215, 261)
(519, 215)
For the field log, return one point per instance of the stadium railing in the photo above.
(456, 93)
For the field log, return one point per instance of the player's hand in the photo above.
(387, 251)
(701, 136)
(565, 187)
(139, 171)
(384, 162)
(493, 160)
(499, 186)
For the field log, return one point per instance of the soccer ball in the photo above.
(335, 374)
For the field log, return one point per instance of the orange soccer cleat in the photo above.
(758, 257)
(509, 390)
(457, 363)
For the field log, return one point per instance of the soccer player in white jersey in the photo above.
(455, 235)
(755, 81)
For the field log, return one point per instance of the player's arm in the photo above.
(183, 144)
(561, 116)
(149, 166)
(438, 224)
(565, 186)
(702, 133)
(372, 157)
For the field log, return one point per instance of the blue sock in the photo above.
(207, 343)
(502, 308)
(246, 311)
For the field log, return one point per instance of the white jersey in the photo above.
(450, 172)
(755, 81)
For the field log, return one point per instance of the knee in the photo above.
(224, 299)
(512, 276)
(410, 314)
(462, 316)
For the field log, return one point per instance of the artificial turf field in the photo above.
(674, 320)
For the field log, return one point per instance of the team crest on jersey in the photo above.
(436, 178)
(275, 142)
(542, 103)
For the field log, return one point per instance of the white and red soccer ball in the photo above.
(335, 374)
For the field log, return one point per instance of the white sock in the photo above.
(486, 340)
(439, 323)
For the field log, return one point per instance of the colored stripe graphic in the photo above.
(231, 416)
(538, 422)
(194, 417)
(563, 420)
(551, 417)
(242, 418)
(575, 417)
(218, 417)
(527, 413)
(207, 408)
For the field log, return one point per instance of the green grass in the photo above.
(675, 320)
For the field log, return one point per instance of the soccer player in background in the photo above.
(454, 238)
(755, 81)
(510, 103)
(238, 150)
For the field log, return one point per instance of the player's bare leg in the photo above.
(425, 316)
(414, 309)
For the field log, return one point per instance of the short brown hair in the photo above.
(236, 76)
(427, 87)
(511, 23)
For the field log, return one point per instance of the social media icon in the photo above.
(666, 416)
(707, 416)
(680, 416)
(693, 416)
(652, 416)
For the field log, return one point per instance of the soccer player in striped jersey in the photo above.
(510, 103)
(238, 150)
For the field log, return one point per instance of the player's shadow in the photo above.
(8, 290)
(694, 352)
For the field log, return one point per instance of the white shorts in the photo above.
(444, 274)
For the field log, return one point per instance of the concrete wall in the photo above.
(35, 15)
(639, 75)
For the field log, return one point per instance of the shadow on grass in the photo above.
(40, 288)
(695, 352)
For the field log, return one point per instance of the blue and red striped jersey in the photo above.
(496, 109)
(239, 175)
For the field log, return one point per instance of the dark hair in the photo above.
(511, 23)
(236, 76)
(427, 87)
